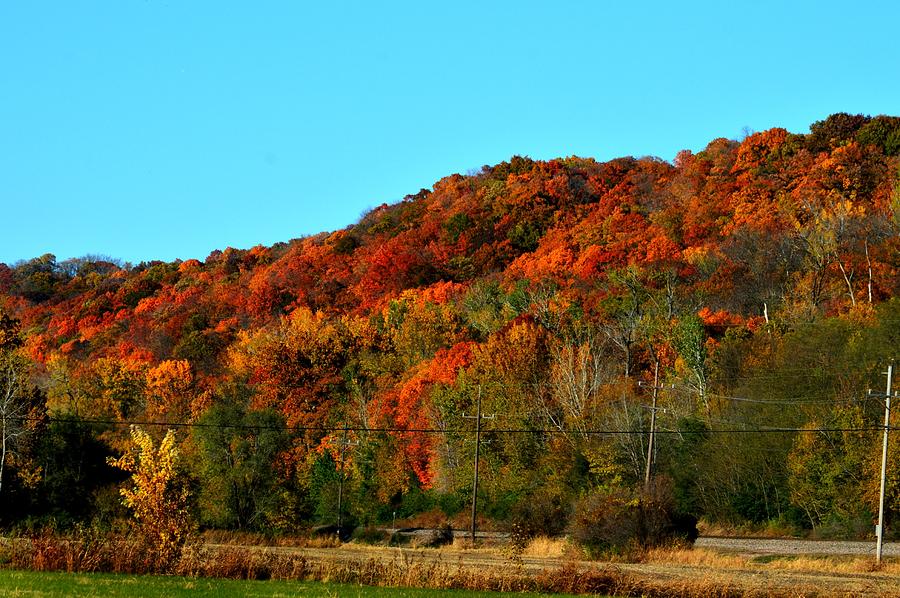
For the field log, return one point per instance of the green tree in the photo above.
(238, 453)
(826, 468)
(834, 131)
(72, 462)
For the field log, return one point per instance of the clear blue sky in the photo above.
(147, 129)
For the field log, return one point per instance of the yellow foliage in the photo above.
(159, 496)
(603, 466)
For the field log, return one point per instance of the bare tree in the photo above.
(13, 394)
(579, 369)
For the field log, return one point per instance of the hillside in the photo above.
(758, 276)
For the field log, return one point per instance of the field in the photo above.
(52, 585)
(724, 568)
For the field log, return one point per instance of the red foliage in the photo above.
(408, 406)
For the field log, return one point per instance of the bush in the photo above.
(619, 520)
(541, 514)
(441, 536)
(371, 535)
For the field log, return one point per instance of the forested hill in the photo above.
(750, 269)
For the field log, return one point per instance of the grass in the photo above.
(542, 546)
(674, 572)
(96, 585)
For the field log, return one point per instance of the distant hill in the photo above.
(526, 273)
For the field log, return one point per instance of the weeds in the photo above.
(90, 551)
(543, 546)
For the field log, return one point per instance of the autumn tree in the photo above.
(690, 342)
(624, 308)
(159, 497)
(835, 130)
(825, 469)
(168, 388)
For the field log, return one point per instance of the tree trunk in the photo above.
(849, 281)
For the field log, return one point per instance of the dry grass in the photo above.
(461, 543)
(544, 546)
(570, 579)
(661, 573)
(696, 557)
(238, 538)
(216, 536)
(841, 565)
(117, 554)
(699, 557)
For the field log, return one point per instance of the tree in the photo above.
(690, 342)
(168, 390)
(159, 497)
(14, 403)
(72, 462)
(834, 131)
(625, 312)
(826, 468)
(238, 453)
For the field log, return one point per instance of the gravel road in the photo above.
(782, 546)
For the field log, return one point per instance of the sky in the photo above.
(146, 129)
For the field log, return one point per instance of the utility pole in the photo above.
(650, 443)
(477, 417)
(344, 444)
(879, 530)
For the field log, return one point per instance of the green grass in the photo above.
(53, 585)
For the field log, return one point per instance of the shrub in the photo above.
(371, 535)
(441, 536)
(542, 513)
(619, 520)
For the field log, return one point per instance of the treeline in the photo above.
(753, 283)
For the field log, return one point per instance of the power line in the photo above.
(460, 431)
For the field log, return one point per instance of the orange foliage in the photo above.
(408, 407)
(168, 389)
(720, 320)
(757, 149)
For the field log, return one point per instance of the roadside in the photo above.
(716, 567)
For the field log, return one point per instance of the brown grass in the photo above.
(544, 546)
(118, 554)
(703, 573)
(699, 557)
(239, 538)
(695, 557)
(248, 564)
(766, 530)
(842, 565)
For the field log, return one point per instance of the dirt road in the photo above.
(739, 569)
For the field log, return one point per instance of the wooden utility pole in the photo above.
(477, 417)
(650, 443)
(879, 530)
